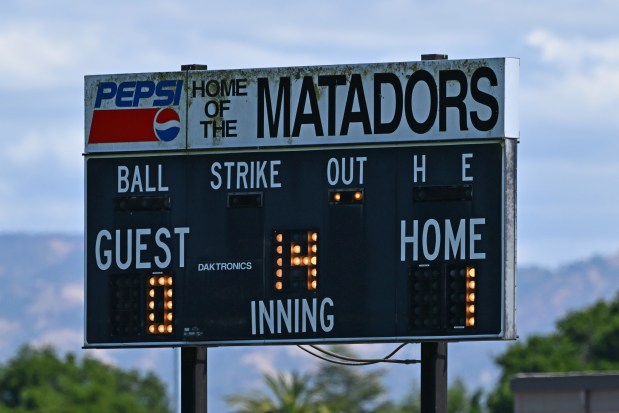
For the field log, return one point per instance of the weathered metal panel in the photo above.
(378, 103)
(343, 104)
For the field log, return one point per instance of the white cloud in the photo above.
(574, 50)
(263, 360)
(582, 84)
(62, 147)
(72, 295)
(151, 359)
(7, 329)
(105, 356)
(61, 339)
(34, 56)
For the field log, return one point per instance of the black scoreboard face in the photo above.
(403, 243)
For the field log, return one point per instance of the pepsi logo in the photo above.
(167, 124)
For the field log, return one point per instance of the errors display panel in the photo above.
(406, 243)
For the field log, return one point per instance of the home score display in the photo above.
(408, 240)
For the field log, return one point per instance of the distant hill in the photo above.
(41, 302)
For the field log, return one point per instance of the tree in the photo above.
(349, 388)
(584, 340)
(38, 380)
(334, 388)
(293, 393)
(458, 400)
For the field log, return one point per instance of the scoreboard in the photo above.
(410, 240)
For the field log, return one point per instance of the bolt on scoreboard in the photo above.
(202, 234)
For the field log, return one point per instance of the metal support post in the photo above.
(193, 380)
(434, 377)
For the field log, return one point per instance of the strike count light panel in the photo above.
(408, 243)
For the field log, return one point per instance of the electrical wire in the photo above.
(335, 358)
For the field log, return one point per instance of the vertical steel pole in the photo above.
(193, 380)
(193, 359)
(434, 377)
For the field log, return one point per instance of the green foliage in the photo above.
(341, 389)
(584, 340)
(38, 380)
(458, 400)
(349, 389)
(285, 394)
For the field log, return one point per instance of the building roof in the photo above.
(533, 382)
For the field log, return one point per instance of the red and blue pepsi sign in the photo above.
(135, 114)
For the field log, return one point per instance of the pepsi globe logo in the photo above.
(167, 124)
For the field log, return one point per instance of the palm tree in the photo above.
(292, 393)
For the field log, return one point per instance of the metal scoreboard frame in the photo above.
(351, 203)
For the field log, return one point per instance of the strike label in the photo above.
(245, 175)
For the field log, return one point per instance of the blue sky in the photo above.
(569, 51)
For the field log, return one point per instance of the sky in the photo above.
(569, 89)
